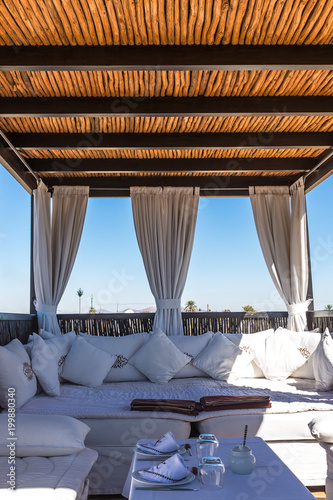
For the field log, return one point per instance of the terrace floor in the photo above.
(319, 495)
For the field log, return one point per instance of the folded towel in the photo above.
(164, 444)
(170, 471)
(185, 406)
(214, 403)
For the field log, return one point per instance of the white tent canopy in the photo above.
(280, 218)
(165, 220)
(55, 244)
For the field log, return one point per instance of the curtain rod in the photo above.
(13, 148)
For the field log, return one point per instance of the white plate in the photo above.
(181, 450)
(187, 479)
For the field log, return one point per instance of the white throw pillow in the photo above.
(192, 346)
(222, 359)
(277, 356)
(123, 348)
(306, 343)
(159, 359)
(43, 435)
(322, 429)
(45, 366)
(18, 383)
(245, 341)
(86, 365)
(323, 362)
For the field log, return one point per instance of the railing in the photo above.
(22, 325)
(193, 323)
(18, 326)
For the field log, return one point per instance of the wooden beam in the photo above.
(209, 183)
(116, 165)
(321, 173)
(17, 169)
(12, 107)
(100, 141)
(152, 58)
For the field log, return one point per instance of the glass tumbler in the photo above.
(206, 446)
(211, 473)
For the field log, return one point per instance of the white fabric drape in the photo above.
(55, 246)
(165, 220)
(280, 218)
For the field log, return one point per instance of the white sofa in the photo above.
(115, 429)
(321, 428)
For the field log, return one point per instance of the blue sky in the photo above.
(227, 270)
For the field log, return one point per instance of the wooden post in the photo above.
(32, 281)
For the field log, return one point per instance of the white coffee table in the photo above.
(271, 479)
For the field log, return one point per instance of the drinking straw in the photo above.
(245, 435)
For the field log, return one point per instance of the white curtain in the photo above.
(55, 245)
(165, 220)
(280, 218)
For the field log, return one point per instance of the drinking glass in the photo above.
(206, 446)
(211, 473)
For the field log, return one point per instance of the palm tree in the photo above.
(248, 309)
(329, 307)
(79, 293)
(190, 306)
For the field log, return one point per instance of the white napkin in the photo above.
(170, 471)
(164, 444)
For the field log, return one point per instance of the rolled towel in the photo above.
(214, 403)
(164, 444)
(170, 471)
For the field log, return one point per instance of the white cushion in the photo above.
(306, 343)
(323, 362)
(192, 346)
(86, 365)
(43, 435)
(245, 341)
(16, 373)
(277, 356)
(222, 359)
(322, 428)
(159, 359)
(123, 348)
(45, 366)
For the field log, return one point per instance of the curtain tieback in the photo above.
(45, 308)
(299, 308)
(167, 303)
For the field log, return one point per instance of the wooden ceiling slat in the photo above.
(160, 125)
(174, 153)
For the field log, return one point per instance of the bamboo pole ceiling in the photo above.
(113, 93)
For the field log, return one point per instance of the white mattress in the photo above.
(113, 400)
(54, 478)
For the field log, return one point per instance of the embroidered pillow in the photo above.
(45, 366)
(306, 343)
(159, 359)
(18, 383)
(222, 359)
(123, 348)
(245, 341)
(192, 346)
(323, 362)
(277, 356)
(86, 365)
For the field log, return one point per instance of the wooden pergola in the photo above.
(220, 94)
